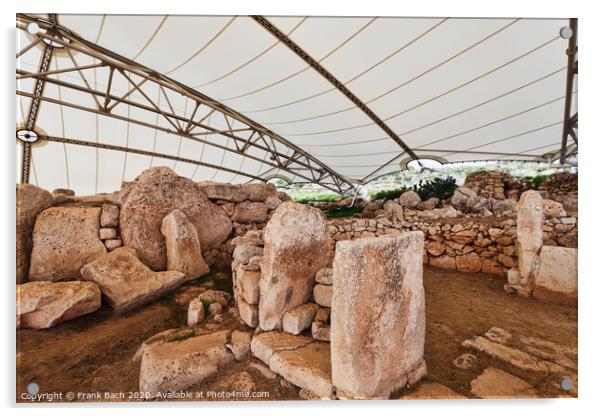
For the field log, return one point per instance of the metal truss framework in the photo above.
(570, 122)
(251, 135)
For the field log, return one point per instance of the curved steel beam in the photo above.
(334, 81)
(295, 161)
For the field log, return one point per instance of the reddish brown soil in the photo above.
(93, 353)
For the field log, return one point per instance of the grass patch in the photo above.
(343, 212)
(304, 197)
(387, 193)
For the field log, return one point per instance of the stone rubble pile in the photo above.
(529, 359)
(109, 223)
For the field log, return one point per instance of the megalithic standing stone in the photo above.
(378, 315)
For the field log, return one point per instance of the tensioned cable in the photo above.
(506, 138)
(62, 118)
(440, 64)
(221, 163)
(127, 145)
(205, 46)
(151, 38)
(458, 87)
(179, 144)
(33, 170)
(532, 150)
(241, 66)
(406, 45)
(98, 35)
(488, 101)
(495, 121)
(301, 70)
(489, 72)
(152, 158)
(464, 150)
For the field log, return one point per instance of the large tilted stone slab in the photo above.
(300, 360)
(183, 247)
(296, 246)
(529, 233)
(433, 391)
(31, 200)
(126, 282)
(179, 364)
(307, 367)
(153, 195)
(267, 343)
(494, 383)
(556, 278)
(65, 239)
(378, 315)
(45, 304)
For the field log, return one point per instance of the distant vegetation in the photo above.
(304, 197)
(438, 187)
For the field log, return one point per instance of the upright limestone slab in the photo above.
(31, 200)
(296, 246)
(378, 315)
(556, 278)
(529, 234)
(65, 239)
(183, 247)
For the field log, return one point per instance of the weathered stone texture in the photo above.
(154, 194)
(45, 304)
(297, 245)
(556, 278)
(183, 246)
(378, 312)
(177, 365)
(126, 282)
(31, 200)
(64, 240)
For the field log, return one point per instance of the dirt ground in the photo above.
(94, 353)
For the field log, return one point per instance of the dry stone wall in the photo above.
(469, 243)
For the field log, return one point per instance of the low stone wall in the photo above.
(249, 207)
(467, 243)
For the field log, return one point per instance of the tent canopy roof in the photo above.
(222, 98)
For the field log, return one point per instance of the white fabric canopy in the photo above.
(452, 89)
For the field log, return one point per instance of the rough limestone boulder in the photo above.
(377, 319)
(553, 209)
(394, 211)
(31, 200)
(64, 239)
(178, 364)
(183, 247)
(296, 246)
(223, 191)
(45, 304)
(409, 199)
(250, 212)
(153, 195)
(126, 282)
(259, 192)
(556, 277)
(529, 233)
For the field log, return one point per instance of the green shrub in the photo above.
(343, 211)
(536, 181)
(387, 194)
(438, 187)
(305, 197)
